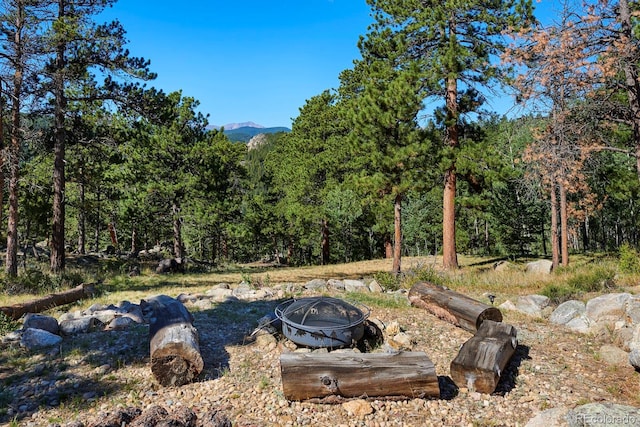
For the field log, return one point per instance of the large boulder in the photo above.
(79, 325)
(316, 285)
(355, 286)
(580, 324)
(532, 305)
(542, 266)
(603, 414)
(33, 339)
(40, 321)
(607, 308)
(567, 311)
(633, 310)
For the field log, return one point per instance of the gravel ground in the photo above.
(95, 374)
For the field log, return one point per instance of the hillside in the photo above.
(243, 132)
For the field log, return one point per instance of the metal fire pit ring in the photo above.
(322, 321)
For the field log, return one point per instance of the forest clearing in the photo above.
(91, 376)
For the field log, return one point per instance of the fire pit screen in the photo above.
(322, 321)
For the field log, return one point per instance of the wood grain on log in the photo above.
(39, 305)
(460, 310)
(310, 375)
(173, 342)
(481, 360)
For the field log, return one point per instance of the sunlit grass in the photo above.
(475, 277)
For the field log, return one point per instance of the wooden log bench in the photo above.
(173, 342)
(453, 307)
(481, 360)
(318, 375)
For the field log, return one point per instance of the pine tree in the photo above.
(455, 43)
(79, 46)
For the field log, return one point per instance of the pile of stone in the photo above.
(616, 314)
(41, 331)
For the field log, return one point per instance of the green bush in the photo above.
(388, 280)
(7, 325)
(422, 273)
(595, 279)
(629, 262)
(559, 294)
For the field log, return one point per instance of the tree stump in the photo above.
(310, 375)
(173, 342)
(460, 310)
(482, 358)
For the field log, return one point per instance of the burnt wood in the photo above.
(482, 358)
(453, 307)
(173, 341)
(39, 305)
(318, 375)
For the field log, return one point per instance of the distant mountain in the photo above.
(234, 126)
(243, 132)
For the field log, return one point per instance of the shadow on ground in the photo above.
(88, 366)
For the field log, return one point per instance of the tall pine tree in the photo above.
(79, 50)
(456, 44)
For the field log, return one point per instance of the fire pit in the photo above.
(322, 321)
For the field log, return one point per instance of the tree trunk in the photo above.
(325, 242)
(82, 217)
(397, 234)
(449, 255)
(53, 300)
(96, 231)
(482, 359)
(555, 256)
(57, 235)
(11, 267)
(2, 159)
(177, 231)
(388, 246)
(319, 375)
(455, 308)
(173, 342)
(134, 243)
(564, 225)
(631, 77)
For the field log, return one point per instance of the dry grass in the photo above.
(475, 277)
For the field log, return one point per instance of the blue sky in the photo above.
(246, 60)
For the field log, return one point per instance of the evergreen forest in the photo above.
(405, 157)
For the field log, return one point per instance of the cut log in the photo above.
(310, 375)
(173, 341)
(460, 310)
(39, 305)
(482, 359)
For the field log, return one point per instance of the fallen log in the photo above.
(482, 358)
(460, 310)
(173, 341)
(405, 374)
(39, 305)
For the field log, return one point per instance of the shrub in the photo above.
(628, 259)
(422, 273)
(387, 280)
(559, 294)
(595, 279)
(7, 325)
